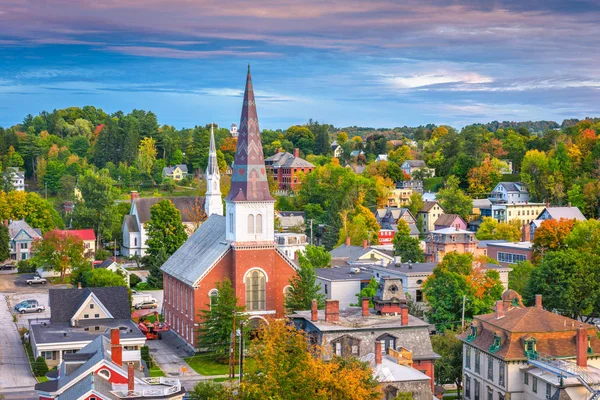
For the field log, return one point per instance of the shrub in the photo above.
(102, 254)
(40, 367)
(25, 267)
(142, 286)
(134, 280)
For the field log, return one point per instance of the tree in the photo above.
(288, 367)
(551, 235)
(40, 368)
(457, 276)
(448, 369)
(341, 138)
(535, 174)
(165, 229)
(99, 194)
(484, 178)
(146, 155)
(491, 229)
(316, 256)
(576, 274)
(453, 200)
(58, 251)
(209, 390)
(519, 277)
(196, 214)
(368, 291)
(416, 203)
(304, 286)
(4, 239)
(217, 320)
(585, 236)
(102, 278)
(405, 246)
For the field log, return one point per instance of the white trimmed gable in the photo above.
(91, 306)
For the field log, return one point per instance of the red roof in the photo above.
(83, 234)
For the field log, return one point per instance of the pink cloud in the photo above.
(165, 52)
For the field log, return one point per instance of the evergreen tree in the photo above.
(217, 320)
(165, 229)
(4, 239)
(405, 246)
(304, 288)
(322, 143)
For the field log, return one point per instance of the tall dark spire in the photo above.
(249, 177)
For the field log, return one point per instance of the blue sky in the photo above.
(378, 63)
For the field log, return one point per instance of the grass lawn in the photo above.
(433, 184)
(205, 364)
(156, 372)
(41, 379)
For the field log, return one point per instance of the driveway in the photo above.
(14, 365)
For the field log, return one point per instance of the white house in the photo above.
(509, 192)
(411, 166)
(134, 224)
(114, 266)
(291, 243)
(342, 283)
(336, 149)
(17, 177)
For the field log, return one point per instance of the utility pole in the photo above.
(241, 349)
(311, 232)
(232, 350)
(462, 324)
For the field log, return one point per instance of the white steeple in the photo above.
(213, 203)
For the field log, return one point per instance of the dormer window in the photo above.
(496, 344)
(473, 334)
(531, 348)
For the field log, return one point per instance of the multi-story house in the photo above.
(522, 212)
(238, 246)
(135, 236)
(177, 173)
(443, 241)
(286, 167)
(78, 316)
(347, 254)
(509, 192)
(336, 149)
(450, 221)
(556, 213)
(343, 283)
(409, 167)
(529, 353)
(291, 244)
(378, 331)
(17, 178)
(87, 236)
(430, 212)
(415, 185)
(21, 237)
(399, 197)
(102, 370)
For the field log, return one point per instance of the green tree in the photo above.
(99, 194)
(535, 174)
(576, 274)
(416, 203)
(146, 155)
(405, 246)
(368, 291)
(585, 236)
(316, 256)
(4, 239)
(453, 200)
(491, 229)
(448, 369)
(303, 286)
(59, 252)
(165, 229)
(40, 368)
(518, 278)
(209, 390)
(217, 320)
(457, 276)
(102, 278)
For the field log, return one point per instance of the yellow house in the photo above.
(430, 212)
(176, 173)
(399, 197)
(523, 212)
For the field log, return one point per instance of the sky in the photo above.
(371, 63)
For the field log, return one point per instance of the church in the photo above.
(235, 243)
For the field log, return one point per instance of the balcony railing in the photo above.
(402, 356)
(172, 386)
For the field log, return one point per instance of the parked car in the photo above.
(28, 307)
(8, 266)
(146, 304)
(25, 303)
(36, 280)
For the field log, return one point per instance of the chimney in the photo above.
(404, 315)
(78, 285)
(365, 307)
(547, 204)
(499, 309)
(538, 301)
(378, 355)
(581, 343)
(314, 312)
(116, 350)
(332, 310)
(347, 240)
(365, 243)
(297, 152)
(6, 223)
(130, 378)
(134, 195)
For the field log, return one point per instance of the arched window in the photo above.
(256, 291)
(259, 223)
(213, 296)
(251, 223)
(286, 291)
(105, 373)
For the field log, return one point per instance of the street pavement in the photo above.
(15, 372)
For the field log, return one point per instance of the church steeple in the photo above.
(213, 203)
(250, 208)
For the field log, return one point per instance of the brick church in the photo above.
(238, 245)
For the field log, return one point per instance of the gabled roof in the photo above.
(352, 253)
(514, 187)
(65, 302)
(564, 212)
(170, 170)
(200, 252)
(83, 234)
(132, 225)
(448, 219)
(185, 205)
(249, 175)
(17, 226)
(428, 205)
(106, 263)
(290, 219)
(17, 174)
(415, 163)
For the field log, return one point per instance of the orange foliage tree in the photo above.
(551, 235)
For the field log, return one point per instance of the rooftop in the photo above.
(343, 273)
(565, 212)
(390, 371)
(62, 332)
(83, 234)
(65, 302)
(16, 226)
(512, 245)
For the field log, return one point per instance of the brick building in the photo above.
(286, 167)
(507, 253)
(239, 246)
(447, 240)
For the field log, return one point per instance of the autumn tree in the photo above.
(453, 199)
(416, 203)
(491, 229)
(457, 276)
(196, 214)
(585, 236)
(551, 235)
(59, 252)
(535, 173)
(146, 155)
(484, 178)
(287, 366)
(405, 246)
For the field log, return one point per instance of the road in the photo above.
(14, 366)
